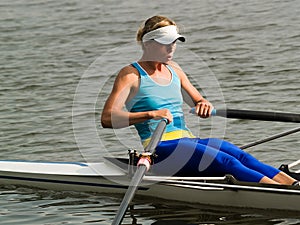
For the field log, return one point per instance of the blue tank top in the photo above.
(154, 96)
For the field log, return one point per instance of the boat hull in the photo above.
(111, 179)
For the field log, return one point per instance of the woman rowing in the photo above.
(151, 90)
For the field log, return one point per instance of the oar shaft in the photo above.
(270, 138)
(139, 174)
(156, 137)
(136, 180)
(258, 115)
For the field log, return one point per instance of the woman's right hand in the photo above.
(162, 114)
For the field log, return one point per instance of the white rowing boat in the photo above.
(107, 177)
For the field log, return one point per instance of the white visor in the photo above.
(164, 35)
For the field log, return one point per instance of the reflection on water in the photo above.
(21, 205)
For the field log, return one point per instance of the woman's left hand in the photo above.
(204, 108)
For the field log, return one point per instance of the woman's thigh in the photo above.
(191, 157)
(188, 157)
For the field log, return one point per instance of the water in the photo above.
(48, 47)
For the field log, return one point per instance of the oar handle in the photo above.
(213, 112)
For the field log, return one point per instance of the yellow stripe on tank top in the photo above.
(172, 136)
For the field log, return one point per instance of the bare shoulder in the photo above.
(128, 72)
(127, 76)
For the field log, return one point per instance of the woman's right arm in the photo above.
(125, 87)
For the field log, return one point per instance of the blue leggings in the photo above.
(208, 157)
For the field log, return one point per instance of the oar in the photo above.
(143, 166)
(258, 115)
(270, 138)
(255, 115)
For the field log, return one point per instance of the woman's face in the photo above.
(154, 51)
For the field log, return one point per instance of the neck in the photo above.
(157, 71)
(152, 65)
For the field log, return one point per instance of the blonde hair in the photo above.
(151, 24)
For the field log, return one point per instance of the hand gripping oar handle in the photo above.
(140, 172)
(256, 115)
